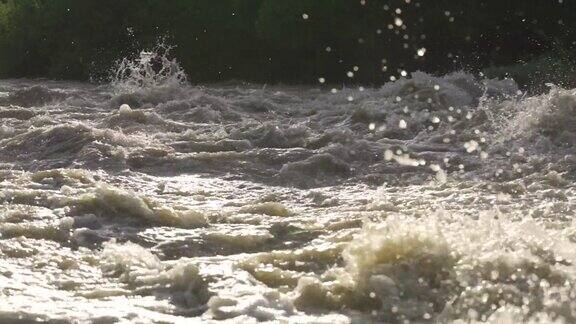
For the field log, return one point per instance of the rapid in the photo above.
(430, 199)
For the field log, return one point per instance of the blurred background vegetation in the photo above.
(293, 41)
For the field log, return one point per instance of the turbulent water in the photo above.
(430, 199)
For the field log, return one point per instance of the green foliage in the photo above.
(271, 41)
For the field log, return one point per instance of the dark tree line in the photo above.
(289, 40)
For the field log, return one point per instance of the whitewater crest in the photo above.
(430, 199)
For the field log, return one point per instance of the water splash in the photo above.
(151, 69)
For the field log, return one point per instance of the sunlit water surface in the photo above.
(440, 199)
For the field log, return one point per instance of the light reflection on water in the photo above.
(287, 203)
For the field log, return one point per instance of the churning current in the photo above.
(430, 199)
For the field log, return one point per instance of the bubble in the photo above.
(372, 126)
(124, 108)
(471, 146)
(321, 80)
(305, 16)
(388, 155)
(350, 74)
(402, 124)
(398, 22)
(421, 51)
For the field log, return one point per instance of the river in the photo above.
(429, 199)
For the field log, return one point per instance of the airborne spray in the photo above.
(150, 69)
